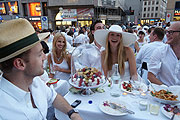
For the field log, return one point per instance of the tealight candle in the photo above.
(124, 94)
(143, 95)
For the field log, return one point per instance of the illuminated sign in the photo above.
(176, 12)
(69, 15)
(35, 9)
(2, 8)
(35, 18)
(13, 7)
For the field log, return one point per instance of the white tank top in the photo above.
(140, 44)
(126, 72)
(63, 65)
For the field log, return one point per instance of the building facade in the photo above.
(53, 14)
(84, 12)
(173, 10)
(133, 9)
(32, 10)
(153, 11)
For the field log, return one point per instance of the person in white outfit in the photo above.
(117, 50)
(156, 37)
(59, 59)
(140, 42)
(21, 59)
(164, 64)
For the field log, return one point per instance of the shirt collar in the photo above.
(12, 90)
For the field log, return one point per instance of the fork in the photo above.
(122, 109)
(175, 111)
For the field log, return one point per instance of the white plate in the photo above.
(169, 114)
(164, 101)
(143, 87)
(174, 89)
(114, 112)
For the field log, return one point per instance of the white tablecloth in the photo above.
(92, 111)
(62, 87)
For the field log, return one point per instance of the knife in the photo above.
(123, 109)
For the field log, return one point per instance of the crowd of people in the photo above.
(24, 61)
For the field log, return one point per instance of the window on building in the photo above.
(152, 14)
(144, 15)
(148, 8)
(145, 3)
(25, 11)
(177, 5)
(156, 14)
(152, 9)
(149, 2)
(45, 11)
(145, 9)
(148, 15)
(157, 2)
(156, 8)
(153, 2)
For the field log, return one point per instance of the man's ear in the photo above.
(19, 64)
(155, 37)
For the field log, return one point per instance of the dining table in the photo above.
(89, 108)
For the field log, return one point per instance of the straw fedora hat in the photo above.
(17, 36)
(101, 36)
(44, 35)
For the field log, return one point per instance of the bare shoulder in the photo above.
(128, 50)
(69, 55)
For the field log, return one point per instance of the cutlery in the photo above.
(151, 85)
(123, 109)
(175, 111)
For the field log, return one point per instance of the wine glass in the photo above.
(52, 69)
(136, 85)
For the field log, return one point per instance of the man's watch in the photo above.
(71, 112)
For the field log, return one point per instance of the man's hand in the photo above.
(75, 116)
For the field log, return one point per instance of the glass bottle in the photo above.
(116, 80)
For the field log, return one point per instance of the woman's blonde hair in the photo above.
(121, 56)
(64, 53)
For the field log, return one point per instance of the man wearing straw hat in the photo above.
(21, 59)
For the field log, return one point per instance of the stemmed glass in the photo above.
(136, 85)
(52, 69)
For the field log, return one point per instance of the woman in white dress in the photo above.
(117, 50)
(59, 58)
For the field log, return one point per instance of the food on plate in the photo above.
(52, 81)
(170, 108)
(164, 94)
(127, 86)
(87, 77)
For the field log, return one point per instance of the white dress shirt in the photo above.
(15, 103)
(165, 65)
(146, 51)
